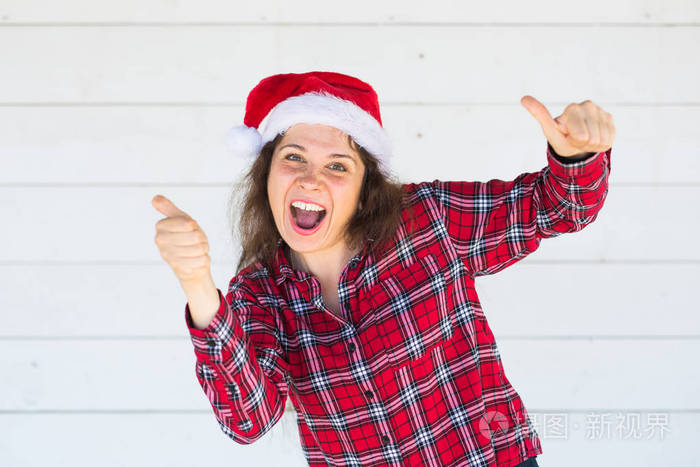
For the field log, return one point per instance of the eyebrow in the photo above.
(304, 149)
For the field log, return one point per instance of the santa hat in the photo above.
(325, 97)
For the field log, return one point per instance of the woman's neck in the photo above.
(325, 265)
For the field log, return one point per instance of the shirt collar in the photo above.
(282, 268)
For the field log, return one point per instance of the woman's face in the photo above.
(306, 166)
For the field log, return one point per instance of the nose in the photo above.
(309, 179)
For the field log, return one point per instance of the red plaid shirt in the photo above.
(409, 373)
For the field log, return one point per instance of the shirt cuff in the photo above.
(571, 159)
(208, 344)
(591, 164)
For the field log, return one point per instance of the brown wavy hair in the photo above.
(381, 197)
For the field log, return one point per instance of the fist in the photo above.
(581, 129)
(182, 243)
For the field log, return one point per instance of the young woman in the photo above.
(357, 299)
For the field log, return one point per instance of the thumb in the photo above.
(554, 130)
(166, 207)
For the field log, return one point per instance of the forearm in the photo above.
(203, 300)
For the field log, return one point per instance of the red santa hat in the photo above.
(324, 97)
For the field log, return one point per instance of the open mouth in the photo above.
(307, 220)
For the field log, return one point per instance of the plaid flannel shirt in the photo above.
(409, 373)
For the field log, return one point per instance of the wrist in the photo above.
(571, 158)
(198, 289)
(203, 301)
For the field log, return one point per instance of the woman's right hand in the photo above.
(182, 243)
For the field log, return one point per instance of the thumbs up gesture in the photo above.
(581, 129)
(182, 243)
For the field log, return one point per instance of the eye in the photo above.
(342, 167)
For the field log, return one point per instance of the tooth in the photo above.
(307, 206)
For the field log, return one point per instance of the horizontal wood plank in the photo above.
(172, 439)
(183, 144)
(312, 11)
(425, 64)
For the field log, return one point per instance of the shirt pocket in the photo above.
(412, 311)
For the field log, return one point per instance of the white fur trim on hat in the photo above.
(327, 109)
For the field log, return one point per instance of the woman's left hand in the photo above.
(582, 128)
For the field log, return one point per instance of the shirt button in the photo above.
(351, 347)
(385, 439)
(369, 394)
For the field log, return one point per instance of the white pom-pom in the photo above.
(244, 141)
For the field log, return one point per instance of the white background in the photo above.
(103, 105)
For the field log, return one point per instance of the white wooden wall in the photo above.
(105, 104)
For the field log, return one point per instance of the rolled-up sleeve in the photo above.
(496, 223)
(240, 364)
